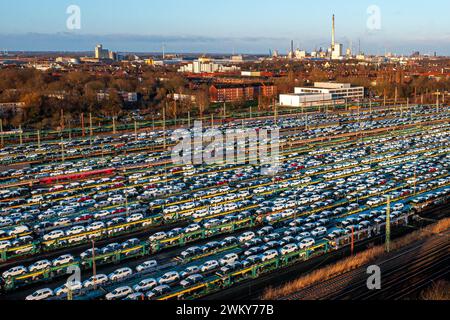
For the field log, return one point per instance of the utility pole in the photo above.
(189, 119)
(82, 125)
(90, 128)
(20, 134)
(94, 266)
(114, 125)
(175, 111)
(396, 97)
(135, 131)
(437, 102)
(62, 149)
(39, 138)
(415, 179)
(212, 120)
(388, 224)
(352, 248)
(1, 131)
(164, 127)
(69, 292)
(275, 112)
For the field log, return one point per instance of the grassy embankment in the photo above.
(357, 261)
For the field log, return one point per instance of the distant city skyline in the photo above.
(200, 26)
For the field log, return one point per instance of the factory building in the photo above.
(104, 54)
(336, 49)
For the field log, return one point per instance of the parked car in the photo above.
(119, 293)
(40, 294)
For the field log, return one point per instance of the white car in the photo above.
(14, 272)
(39, 265)
(18, 230)
(119, 293)
(135, 217)
(102, 214)
(306, 243)
(289, 248)
(201, 213)
(269, 255)
(172, 209)
(209, 266)
(158, 292)
(53, 235)
(187, 206)
(228, 259)
(62, 222)
(5, 244)
(98, 279)
(75, 230)
(192, 228)
(147, 265)
(169, 277)
(95, 226)
(157, 237)
(64, 289)
(247, 236)
(77, 239)
(230, 207)
(62, 260)
(321, 231)
(146, 285)
(120, 274)
(40, 295)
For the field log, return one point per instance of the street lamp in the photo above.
(94, 267)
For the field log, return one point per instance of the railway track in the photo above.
(253, 290)
(400, 267)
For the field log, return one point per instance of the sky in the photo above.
(226, 26)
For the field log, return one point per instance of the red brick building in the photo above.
(240, 92)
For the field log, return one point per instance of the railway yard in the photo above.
(139, 227)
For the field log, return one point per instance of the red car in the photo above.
(84, 198)
(84, 217)
(119, 210)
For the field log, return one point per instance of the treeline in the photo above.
(46, 94)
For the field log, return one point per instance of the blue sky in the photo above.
(246, 26)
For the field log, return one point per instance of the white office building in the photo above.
(304, 99)
(337, 90)
(322, 93)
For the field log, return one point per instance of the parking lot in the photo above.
(140, 227)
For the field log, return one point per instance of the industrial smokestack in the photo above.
(292, 46)
(333, 35)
